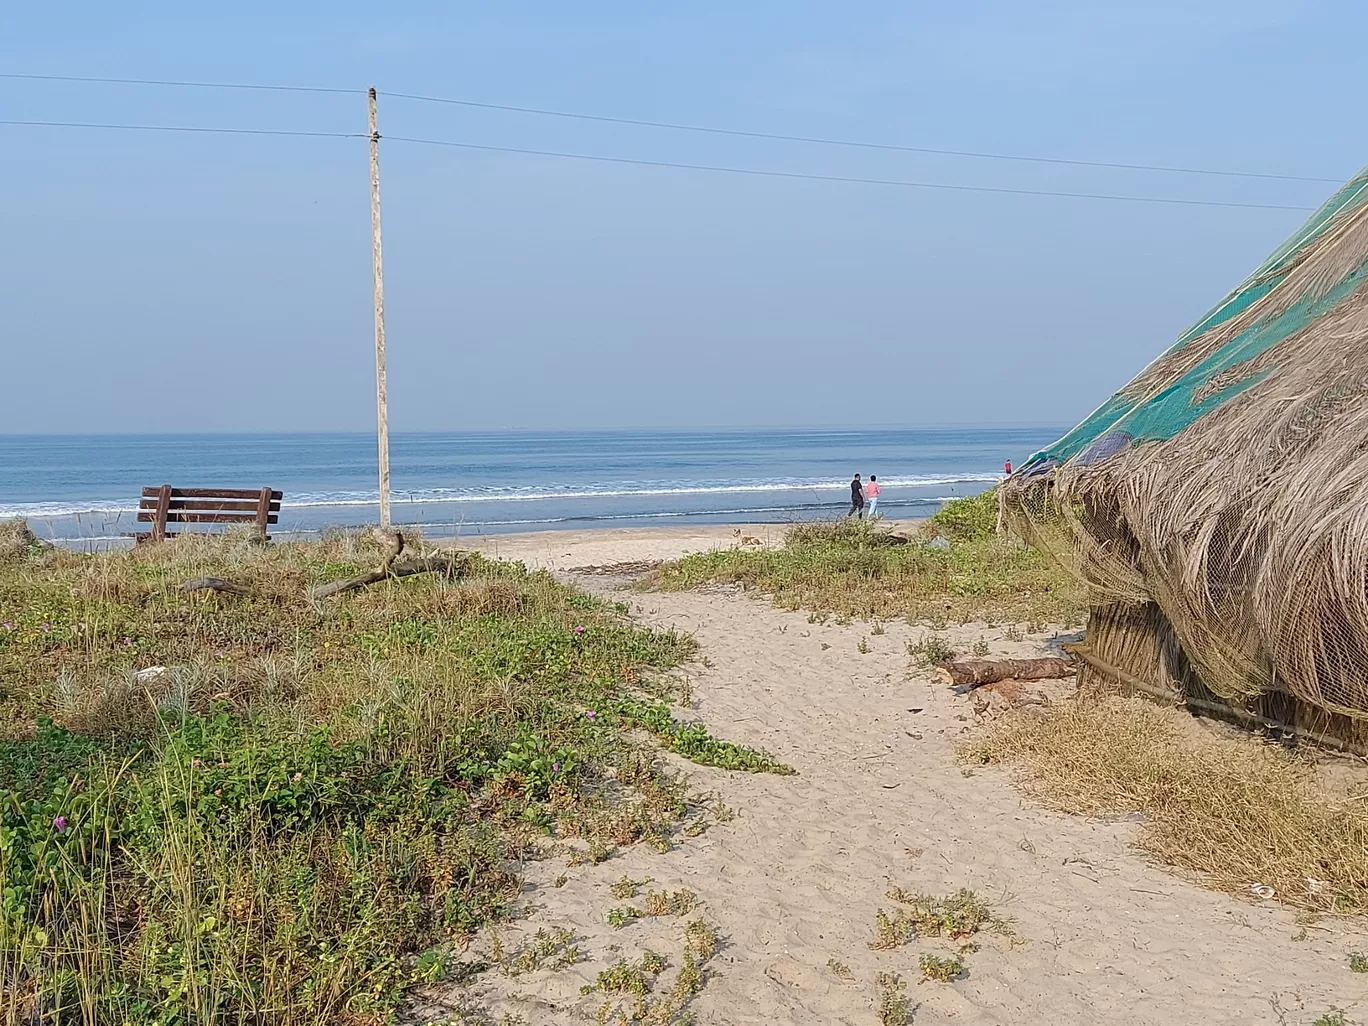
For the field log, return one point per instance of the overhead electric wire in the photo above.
(850, 179)
(822, 141)
(189, 128)
(184, 85)
(641, 162)
(681, 127)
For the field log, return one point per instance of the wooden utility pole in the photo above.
(381, 389)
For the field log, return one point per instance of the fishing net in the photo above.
(1217, 506)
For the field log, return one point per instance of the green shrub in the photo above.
(944, 970)
(972, 518)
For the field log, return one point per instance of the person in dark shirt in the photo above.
(856, 498)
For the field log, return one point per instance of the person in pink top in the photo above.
(871, 494)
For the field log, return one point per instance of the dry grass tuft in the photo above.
(1237, 811)
(669, 903)
(483, 597)
(16, 540)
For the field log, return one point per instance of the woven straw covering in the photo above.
(1217, 506)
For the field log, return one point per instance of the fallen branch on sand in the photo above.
(449, 566)
(977, 672)
(393, 542)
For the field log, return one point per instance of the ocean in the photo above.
(83, 489)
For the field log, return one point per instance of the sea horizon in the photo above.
(78, 488)
(844, 427)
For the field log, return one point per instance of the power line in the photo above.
(679, 127)
(852, 180)
(189, 128)
(819, 140)
(186, 85)
(756, 172)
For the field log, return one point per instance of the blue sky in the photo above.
(167, 282)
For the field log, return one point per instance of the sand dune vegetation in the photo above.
(256, 807)
(866, 569)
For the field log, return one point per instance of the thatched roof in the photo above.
(1228, 482)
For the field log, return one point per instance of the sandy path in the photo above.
(880, 801)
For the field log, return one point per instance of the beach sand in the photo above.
(795, 880)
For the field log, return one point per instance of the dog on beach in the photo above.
(745, 539)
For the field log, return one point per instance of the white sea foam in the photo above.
(113, 508)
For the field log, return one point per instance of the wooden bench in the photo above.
(165, 505)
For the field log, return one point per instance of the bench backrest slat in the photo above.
(147, 516)
(212, 493)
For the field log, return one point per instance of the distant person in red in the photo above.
(1007, 468)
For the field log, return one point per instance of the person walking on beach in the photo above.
(856, 498)
(871, 494)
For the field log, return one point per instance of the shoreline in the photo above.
(658, 541)
(84, 494)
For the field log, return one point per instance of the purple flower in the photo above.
(591, 714)
(60, 824)
(47, 628)
(555, 767)
(579, 630)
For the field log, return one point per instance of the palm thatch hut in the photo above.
(1217, 506)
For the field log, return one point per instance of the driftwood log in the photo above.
(448, 566)
(392, 543)
(977, 672)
